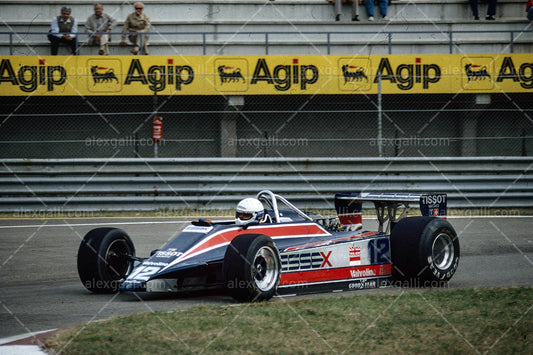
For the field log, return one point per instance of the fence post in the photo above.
(380, 114)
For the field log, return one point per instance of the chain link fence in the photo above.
(405, 125)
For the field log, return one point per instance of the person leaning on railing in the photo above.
(63, 30)
(136, 22)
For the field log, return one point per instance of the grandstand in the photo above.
(223, 27)
(481, 118)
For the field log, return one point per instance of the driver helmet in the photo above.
(249, 210)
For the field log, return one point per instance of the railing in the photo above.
(60, 185)
(449, 37)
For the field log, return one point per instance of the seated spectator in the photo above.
(491, 9)
(100, 22)
(529, 10)
(136, 22)
(383, 8)
(63, 30)
(338, 7)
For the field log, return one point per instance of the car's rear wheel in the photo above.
(252, 268)
(104, 259)
(424, 249)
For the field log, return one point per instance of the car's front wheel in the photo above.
(104, 259)
(252, 268)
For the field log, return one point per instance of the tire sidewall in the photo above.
(239, 271)
(411, 250)
(429, 270)
(92, 266)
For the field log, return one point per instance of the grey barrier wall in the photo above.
(171, 186)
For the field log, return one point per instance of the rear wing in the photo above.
(387, 205)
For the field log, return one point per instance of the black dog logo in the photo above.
(104, 77)
(226, 76)
(477, 74)
(357, 75)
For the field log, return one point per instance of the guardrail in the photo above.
(60, 185)
(449, 37)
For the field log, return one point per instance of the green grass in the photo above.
(493, 321)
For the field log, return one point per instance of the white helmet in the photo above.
(249, 210)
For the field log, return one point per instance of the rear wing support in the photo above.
(387, 206)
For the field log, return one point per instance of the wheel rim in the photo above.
(265, 269)
(116, 260)
(442, 251)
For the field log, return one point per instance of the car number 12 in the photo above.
(143, 273)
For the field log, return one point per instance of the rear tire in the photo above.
(252, 268)
(424, 250)
(104, 259)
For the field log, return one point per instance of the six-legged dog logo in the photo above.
(229, 74)
(357, 74)
(476, 72)
(107, 75)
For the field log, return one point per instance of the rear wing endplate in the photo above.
(388, 205)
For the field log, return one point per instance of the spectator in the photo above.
(100, 22)
(383, 7)
(137, 22)
(338, 7)
(63, 30)
(529, 9)
(491, 9)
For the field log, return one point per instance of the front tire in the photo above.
(424, 249)
(252, 268)
(104, 259)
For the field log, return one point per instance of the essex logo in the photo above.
(305, 261)
(102, 77)
(476, 72)
(357, 73)
(229, 74)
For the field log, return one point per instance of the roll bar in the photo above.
(272, 200)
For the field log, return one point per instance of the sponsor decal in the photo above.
(103, 74)
(156, 77)
(169, 253)
(304, 261)
(524, 74)
(365, 272)
(197, 229)
(229, 74)
(333, 274)
(355, 256)
(478, 71)
(265, 75)
(362, 284)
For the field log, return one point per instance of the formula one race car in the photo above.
(288, 251)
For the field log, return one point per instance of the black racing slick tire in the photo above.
(424, 249)
(252, 268)
(104, 259)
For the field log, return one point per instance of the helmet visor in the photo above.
(244, 216)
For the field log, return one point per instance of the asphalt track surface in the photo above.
(40, 289)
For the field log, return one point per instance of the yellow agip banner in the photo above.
(265, 75)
